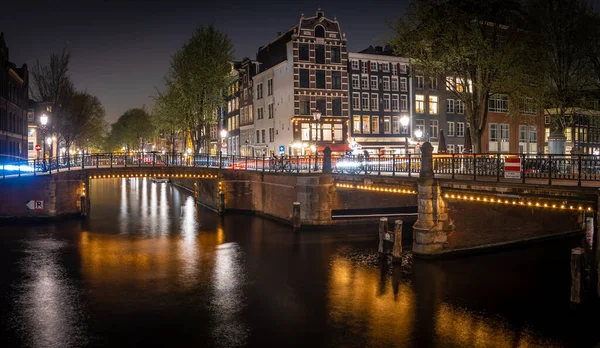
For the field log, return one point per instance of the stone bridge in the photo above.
(452, 215)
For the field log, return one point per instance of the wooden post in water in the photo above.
(397, 251)
(296, 216)
(382, 230)
(576, 261)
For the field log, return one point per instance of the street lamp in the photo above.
(418, 134)
(404, 121)
(317, 117)
(44, 123)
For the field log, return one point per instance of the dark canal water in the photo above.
(149, 268)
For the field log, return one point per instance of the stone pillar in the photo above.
(327, 160)
(430, 229)
(315, 195)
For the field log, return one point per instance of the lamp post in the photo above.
(317, 117)
(418, 134)
(404, 121)
(44, 123)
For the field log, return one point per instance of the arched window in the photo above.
(319, 31)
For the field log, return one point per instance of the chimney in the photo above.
(320, 13)
(378, 49)
(278, 33)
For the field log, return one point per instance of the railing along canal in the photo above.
(535, 169)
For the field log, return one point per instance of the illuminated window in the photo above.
(419, 103)
(375, 124)
(387, 120)
(365, 124)
(433, 105)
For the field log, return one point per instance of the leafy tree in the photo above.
(198, 76)
(133, 130)
(563, 28)
(167, 115)
(478, 44)
(81, 121)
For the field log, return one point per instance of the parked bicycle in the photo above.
(281, 164)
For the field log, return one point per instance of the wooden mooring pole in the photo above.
(397, 251)
(383, 223)
(576, 262)
(296, 216)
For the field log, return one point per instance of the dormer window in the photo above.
(319, 31)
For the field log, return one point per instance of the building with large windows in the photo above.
(247, 70)
(303, 77)
(381, 104)
(14, 106)
(430, 111)
(512, 132)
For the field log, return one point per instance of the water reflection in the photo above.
(229, 299)
(160, 271)
(47, 309)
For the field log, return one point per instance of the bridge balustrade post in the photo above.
(97, 160)
(34, 167)
(57, 164)
(153, 159)
(550, 165)
(409, 166)
(578, 170)
(82, 161)
(263, 163)
(452, 163)
(497, 167)
(220, 159)
(68, 162)
(297, 164)
(393, 164)
(327, 160)
(523, 168)
(474, 167)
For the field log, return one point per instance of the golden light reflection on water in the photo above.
(362, 301)
(460, 327)
(356, 299)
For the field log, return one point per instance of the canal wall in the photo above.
(60, 195)
(273, 194)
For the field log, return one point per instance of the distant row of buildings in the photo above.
(370, 100)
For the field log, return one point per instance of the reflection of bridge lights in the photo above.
(375, 188)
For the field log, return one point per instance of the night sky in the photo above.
(120, 50)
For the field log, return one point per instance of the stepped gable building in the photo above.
(381, 112)
(247, 69)
(14, 105)
(302, 72)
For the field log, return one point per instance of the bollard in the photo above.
(296, 216)
(382, 231)
(397, 251)
(221, 208)
(576, 260)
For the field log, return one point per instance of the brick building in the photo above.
(14, 105)
(302, 71)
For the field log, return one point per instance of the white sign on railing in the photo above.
(512, 168)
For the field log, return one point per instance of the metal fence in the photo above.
(485, 167)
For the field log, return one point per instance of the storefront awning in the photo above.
(335, 147)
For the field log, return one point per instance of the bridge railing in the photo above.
(480, 167)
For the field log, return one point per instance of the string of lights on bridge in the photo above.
(198, 176)
(500, 200)
(376, 188)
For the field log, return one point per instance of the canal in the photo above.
(150, 268)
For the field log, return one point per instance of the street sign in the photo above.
(281, 148)
(38, 147)
(34, 205)
(512, 167)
